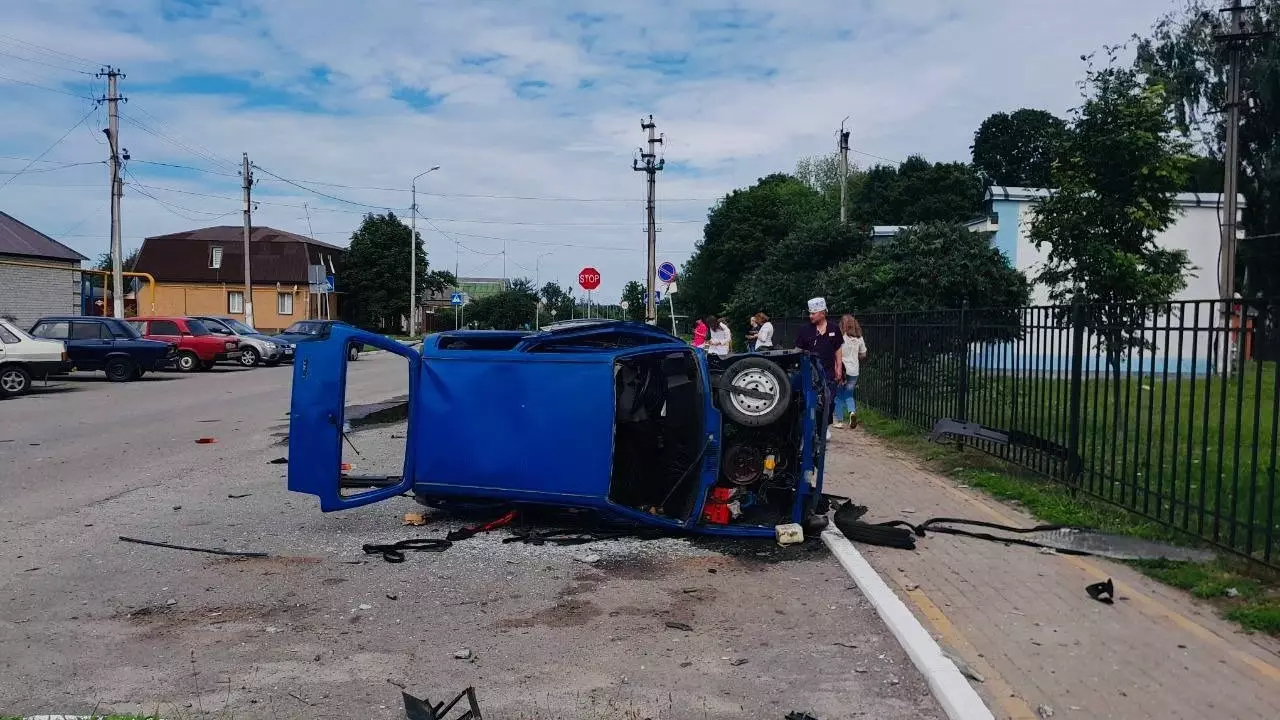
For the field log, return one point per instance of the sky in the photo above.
(531, 110)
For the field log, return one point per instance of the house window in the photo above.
(284, 303)
(235, 301)
(215, 257)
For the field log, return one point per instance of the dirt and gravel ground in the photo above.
(321, 630)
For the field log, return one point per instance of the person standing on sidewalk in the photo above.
(700, 331)
(764, 334)
(823, 339)
(852, 351)
(752, 333)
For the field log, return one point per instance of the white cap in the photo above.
(818, 305)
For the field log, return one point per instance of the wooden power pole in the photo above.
(246, 173)
(113, 99)
(650, 165)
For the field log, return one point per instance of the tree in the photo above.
(917, 191)
(1183, 54)
(557, 300)
(511, 309)
(1116, 181)
(375, 278)
(633, 294)
(740, 231)
(104, 263)
(926, 267)
(1018, 148)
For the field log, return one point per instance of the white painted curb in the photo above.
(954, 693)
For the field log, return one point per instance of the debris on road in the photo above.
(211, 551)
(463, 654)
(171, 601)
(738, 661)
(415, 519)
(279, 461)
(789, 534)
(415, 709)
(237, 496)
(677, 625)
(1044, 711)
(394, 552)
(797, 715)
(1103, 592)
(588, 558)
(206, 441)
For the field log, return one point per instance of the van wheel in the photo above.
(14, 380)
(119, 370)
(187, 361)
(762, 376)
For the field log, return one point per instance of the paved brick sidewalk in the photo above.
(1022, 620)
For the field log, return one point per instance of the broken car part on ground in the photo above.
(620, 418)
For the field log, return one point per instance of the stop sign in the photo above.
(589, 278)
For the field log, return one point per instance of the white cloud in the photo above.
(740, 89)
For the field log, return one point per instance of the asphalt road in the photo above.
(322, 630)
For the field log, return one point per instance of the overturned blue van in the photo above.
(617, 417)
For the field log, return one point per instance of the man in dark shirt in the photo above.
(823, 339)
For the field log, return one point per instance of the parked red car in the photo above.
(197, 347)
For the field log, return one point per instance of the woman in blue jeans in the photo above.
(852, 352)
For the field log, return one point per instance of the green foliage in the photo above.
(1019, 148)
(104, 263)
(511, 309)
(1115, 183)
(916, 191)
(1183, 53)
(788, 274)
(375, 277)
(556, 298)
(740, 231)
(926, 267)
(633, 295)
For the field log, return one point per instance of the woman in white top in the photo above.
(720, 337)
(852, 352)
(764, 332)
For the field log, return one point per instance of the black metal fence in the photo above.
(1170, 411)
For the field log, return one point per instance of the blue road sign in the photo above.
(666, 272)
(657, 296)
(328, 283)
(455, 299)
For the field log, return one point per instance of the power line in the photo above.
(486, 196)
(203, 151)
(41, 62)
(186, 167)
(51, 169)
(559, 224)
(205, 155)
(48, 149)
(174, 207)
(317, 192)
(51, 51)
(877, 157)
(44, 87)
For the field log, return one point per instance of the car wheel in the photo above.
(119, 370)
(249, 357)
(14, 380)
(762, 376)
(187, 361)
(353, 353)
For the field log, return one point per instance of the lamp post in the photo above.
(537, 283)
(413, 250)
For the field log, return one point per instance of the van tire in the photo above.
(761, 374)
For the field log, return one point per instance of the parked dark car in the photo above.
(106, 344)
(618, 417)
(198, 348)
(311, 330)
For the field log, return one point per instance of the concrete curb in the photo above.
(954, 693)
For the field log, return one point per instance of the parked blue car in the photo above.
(618, 417)
(106, 344)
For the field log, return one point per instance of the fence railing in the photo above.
(1170, 410)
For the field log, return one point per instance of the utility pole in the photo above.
(113, 99)
(246, 172)
(650, 165)
(413, 250)
(844, 173)
(1234, 40)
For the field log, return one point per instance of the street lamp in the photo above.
(413, 250)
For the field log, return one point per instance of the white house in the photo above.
(1196, 230)
(1191, 345)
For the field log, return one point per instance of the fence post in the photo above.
(1072, 465)
(894, 383)
(962, 384)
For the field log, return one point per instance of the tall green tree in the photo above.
(633, 295)
(740, 231)
(917, 191)
(1183, 53)
(1019, 148)
(104, 263)
(557, 299)
(1116, 179)
(375, 278)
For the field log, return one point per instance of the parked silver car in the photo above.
(255, 347)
